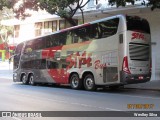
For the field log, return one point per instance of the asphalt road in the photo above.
(19, 97)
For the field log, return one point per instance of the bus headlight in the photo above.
(14, 74)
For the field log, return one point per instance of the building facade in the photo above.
(37, 25)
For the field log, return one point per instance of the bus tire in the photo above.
(31, 80)
(75, 81)
(89, 83)
(24, 79)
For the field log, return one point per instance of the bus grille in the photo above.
(139, 52)
(110, 74)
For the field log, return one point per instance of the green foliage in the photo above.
(5, 32)
(154, 4)
(57, 6)
(4, 3)
(121, 2)
(64, 8)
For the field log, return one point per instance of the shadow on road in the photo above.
(65, 88)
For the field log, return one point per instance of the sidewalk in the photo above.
(151, 85)
(6, 70)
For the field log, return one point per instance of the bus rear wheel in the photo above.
(75, 81)
(24, 79)
(31, 80)
(89, 83)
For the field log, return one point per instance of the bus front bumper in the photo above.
(15, 75)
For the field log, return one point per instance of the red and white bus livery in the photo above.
(112, 51)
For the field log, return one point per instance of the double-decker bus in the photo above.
(113, 51)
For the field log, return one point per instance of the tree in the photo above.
(5, 31)
(153, 3)
(4, 3)
(63, 8)
(120, 2)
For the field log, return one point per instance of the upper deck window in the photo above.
(137, 24)
(108, 27)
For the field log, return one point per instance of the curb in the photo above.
(149, 89)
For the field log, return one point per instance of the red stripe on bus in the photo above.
(59, 75)
(50, 52)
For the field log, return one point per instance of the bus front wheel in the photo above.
(24, 79)
(75, 81)
(31, 80)
(89, 83)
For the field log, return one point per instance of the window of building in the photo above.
(61, 24)
(54, 26)
(46, 27)
(16, 30)
(50, 26)
(38, 29)
(65, 24)
(91, 3)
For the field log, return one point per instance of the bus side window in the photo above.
(29, 47)
(52, 40)
(27, 64)
(64, 65)
(80, 35)
(91, 32)
(52, 65)
(95, 31)
(43, 64)
(49, 41)
(28, 50)
(76, 39)
(19, 48)
(43, 42)
(39, 43)
(108, 27)
(62, 38)
(88, 33)
(69, 38)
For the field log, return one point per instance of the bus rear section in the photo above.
(136, 65)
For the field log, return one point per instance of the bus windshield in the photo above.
(137, 24)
